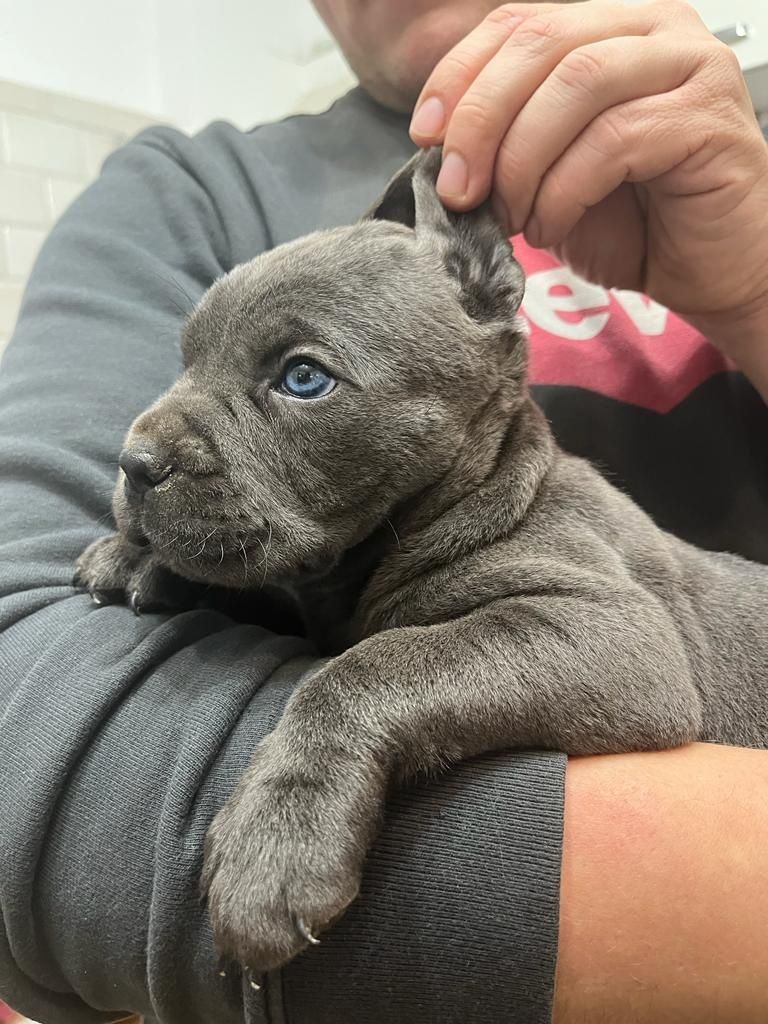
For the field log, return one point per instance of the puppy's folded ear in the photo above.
(473, 248)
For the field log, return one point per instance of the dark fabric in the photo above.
(436, 937)
(700, 470)
(120, 737)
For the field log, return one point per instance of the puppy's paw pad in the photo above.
(153, 588)
(264, 921)
(104, 568)
(283, 861)
(115, 571)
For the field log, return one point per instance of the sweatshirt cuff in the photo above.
(458, 915)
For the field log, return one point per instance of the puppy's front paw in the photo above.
(115, 571)
(283, 860)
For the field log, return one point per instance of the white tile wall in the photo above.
(51, 147)
(10, 297)
(61, 193)
(21, 246)
(22, 197)
(39, 142)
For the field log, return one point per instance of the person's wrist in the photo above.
(742, 336)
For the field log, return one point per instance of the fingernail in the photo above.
(428, 120)
(454, 176)
(501, 213)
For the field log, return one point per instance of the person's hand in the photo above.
(621, 137)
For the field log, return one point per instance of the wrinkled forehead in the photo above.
(343, 289)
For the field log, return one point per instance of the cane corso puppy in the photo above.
(353, 427)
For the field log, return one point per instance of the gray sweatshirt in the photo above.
(120, 737)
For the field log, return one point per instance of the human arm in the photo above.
(624, 138)
(121, 737)
(743, 336)
(664, 910)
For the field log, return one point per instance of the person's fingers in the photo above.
(631, 142)
(486, 110)
(455, 73)
(586, 82)
(598, 252)
(478, 116)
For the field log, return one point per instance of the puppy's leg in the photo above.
(114, 570)
(598, 672)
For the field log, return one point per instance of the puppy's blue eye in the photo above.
(307, 380)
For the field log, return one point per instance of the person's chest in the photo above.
(634, 388)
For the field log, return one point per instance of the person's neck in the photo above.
(360, 99)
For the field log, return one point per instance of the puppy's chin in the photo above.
(128, 520)
(239, 559)
(239, 553)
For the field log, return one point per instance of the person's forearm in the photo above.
(744, 339)
(664, 901)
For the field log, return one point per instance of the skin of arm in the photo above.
(744, 337)
(664, 905)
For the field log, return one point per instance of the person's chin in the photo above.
(390, 91)
(423, 43)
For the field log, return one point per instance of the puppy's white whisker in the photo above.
(266, 559)
(266, 554)
(244, 556)
(160, 534)
(263, 551)
(392, 528)
(166, 531)
(222, 552)
(205, 541)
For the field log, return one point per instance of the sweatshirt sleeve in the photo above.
(121, 737)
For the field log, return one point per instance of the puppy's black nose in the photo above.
(143, 468)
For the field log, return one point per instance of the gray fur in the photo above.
(479, 587)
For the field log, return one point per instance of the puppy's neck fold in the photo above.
(484, 497)
(489, 487)
(488, 491)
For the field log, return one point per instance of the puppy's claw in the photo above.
(305, 932)
(99, 598)
(133, 603)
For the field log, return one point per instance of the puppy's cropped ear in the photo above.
(473, 248)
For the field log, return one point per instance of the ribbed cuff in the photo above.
(458, 917)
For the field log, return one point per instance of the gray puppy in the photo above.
(353, 425)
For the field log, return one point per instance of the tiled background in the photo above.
(51, 147)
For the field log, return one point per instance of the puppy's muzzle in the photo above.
(144, 468)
